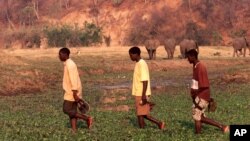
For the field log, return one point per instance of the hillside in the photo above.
(209, 21)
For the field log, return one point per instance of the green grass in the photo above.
(39, 116)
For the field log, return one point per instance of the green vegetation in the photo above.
(217, 38)
(38, 115)
(88, 35)
(117, 2)
(58, 36)
(238, 33)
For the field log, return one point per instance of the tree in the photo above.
(8, 14)
(217, 38)
(35, 7)
(27, 15)
(67, 4)
(94, 11)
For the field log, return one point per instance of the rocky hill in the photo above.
(208, 21)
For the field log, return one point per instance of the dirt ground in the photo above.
(205, 51)
(117, 60)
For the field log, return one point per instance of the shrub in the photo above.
(29, 37)
(91, 34)
(117, 2)
(58, 36)
(238, 33)
(217, 38)
(107, 40)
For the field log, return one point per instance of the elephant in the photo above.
(151, 46)
(239, 44)
(169, 46)
(187, 45)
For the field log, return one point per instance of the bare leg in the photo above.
(81, 116)
(73, 122)
(157, 122)
(88, 119)
(141, 121)
(224, 128)
(245, 50)
(197, 127)
(154, 54)
(211, 122)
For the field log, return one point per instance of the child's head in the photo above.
(134, 53)
(192, 55)
(64, 54)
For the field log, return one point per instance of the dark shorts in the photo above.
(70, 108)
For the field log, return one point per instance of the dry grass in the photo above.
(112, 60)
(206, 51)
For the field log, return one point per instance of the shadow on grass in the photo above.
(191, 126)
(148, 124)
(186, 124)
(80, 124)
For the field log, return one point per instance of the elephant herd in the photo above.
(169, 45)
(151, 45)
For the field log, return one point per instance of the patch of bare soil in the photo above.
(113, 99)
(96, 71)
(121, 108)
(9, 59)
(109, 90)
(122, 67)
(109, 100)
(28, 81)
(237, 77)
(163, 65)
(113, 94)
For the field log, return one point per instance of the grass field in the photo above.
(31, 95)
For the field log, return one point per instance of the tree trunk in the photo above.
(66, 4)
(35, 7)
(190, 10)
(7, 12)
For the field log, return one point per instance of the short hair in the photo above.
(65, 51)
(135, 50)
(192, 53)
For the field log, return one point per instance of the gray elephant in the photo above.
(239, 44)
(169, 46)
(187, 45)
(151, 46)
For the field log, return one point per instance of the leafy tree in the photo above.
(58, 36)
(238, 33)
(217, 38)
(91, 34)
(117, 2)
(27, 15)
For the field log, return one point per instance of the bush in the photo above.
(117, 2)
(107, 40)
(238, 33)
(202, 36)
(58, 36)
(29, 37)
(217, 38)
(91, 34)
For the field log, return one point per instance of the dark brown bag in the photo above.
(83, 106)
(212, 105)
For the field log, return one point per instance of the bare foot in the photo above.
(90, 122)
(162, 125)
(225, 129)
